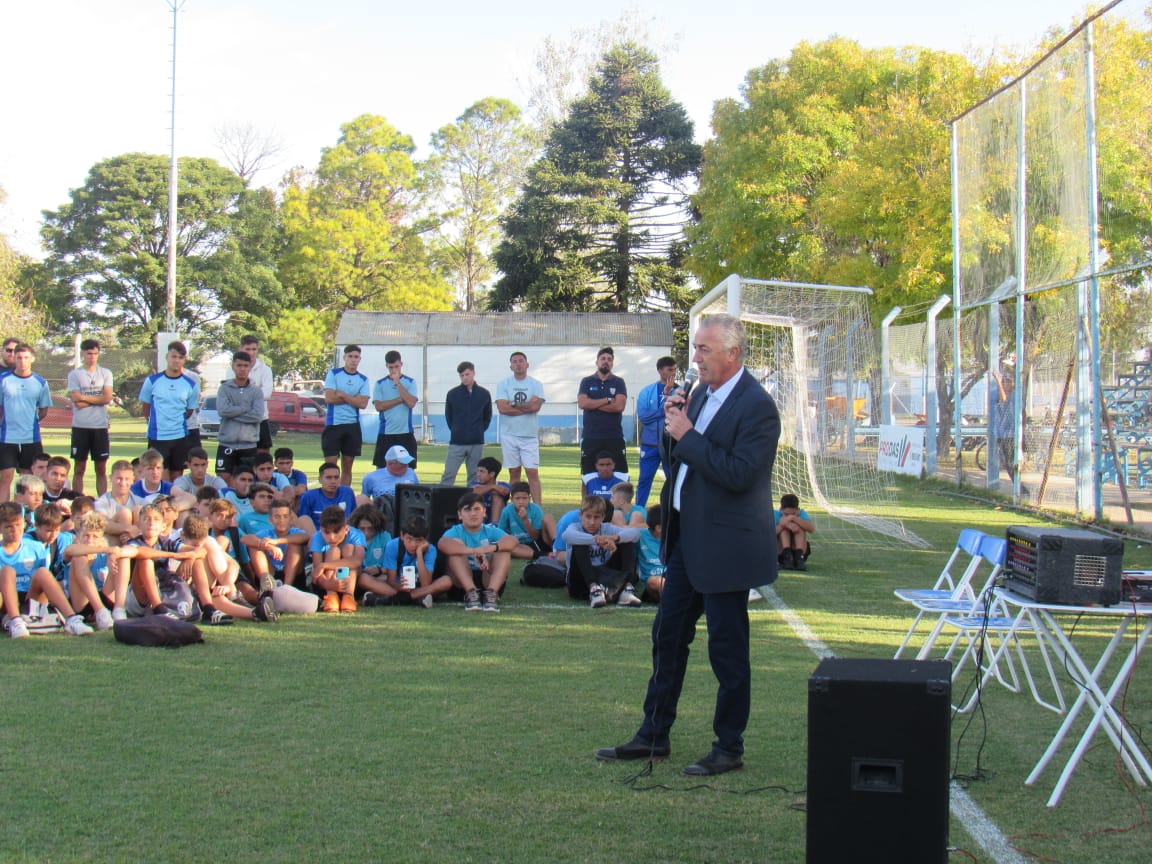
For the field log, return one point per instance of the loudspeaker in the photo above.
(437, 504)
(878, 753)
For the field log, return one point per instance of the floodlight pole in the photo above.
(1089, 493)
(170, 319)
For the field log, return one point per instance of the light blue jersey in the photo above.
(488, 533)
(22, 399)
(351, 383)
(397, 420)
(170, 399)
(26, 559)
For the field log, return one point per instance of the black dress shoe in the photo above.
(637, 748)
(714, 763)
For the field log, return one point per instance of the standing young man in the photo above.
(394, 396)
(468, 411)
(650, 412)
(90, 389)
(261, 376)
(602, 398)
(170, 398)
(240, 403)
(345, 393)
(519, 399)
(24, 400)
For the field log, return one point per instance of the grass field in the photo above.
(416, 735)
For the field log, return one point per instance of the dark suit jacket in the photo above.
(725, 526)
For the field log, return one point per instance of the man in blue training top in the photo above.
(345, 393)
(24, 400)
(394, 396)
(169, 398)
(650, 412)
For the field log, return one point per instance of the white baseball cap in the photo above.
(396, 453)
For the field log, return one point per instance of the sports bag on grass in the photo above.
(157, 631)
(543, 573)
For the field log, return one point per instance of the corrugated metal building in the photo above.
(561, 349)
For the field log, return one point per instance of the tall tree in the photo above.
(353, 236)
(20, 313)
(834, 168)
(108, 247)
(599, 223)
(477, 165)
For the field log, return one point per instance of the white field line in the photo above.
(975, 821)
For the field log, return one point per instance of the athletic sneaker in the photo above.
(17, 629)
(371, 598)
(119, 613)
(104, 620)
(265, 609)
(426, 601)
(754, 595)
(491, 601)
(472, 601)
(75, 626)
(628, 597)
(215, 617)
(596, 598)
(161, 609)
(267, 583)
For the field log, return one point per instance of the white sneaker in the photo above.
(426, 601)
(104, 620)
(75, 626)
(628, 597)
(17, 629)
(119, 613)
(596, 598)
(754, 595)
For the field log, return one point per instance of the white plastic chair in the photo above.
(988, 632)
(952, 592)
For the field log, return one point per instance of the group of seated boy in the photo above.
(263, 543)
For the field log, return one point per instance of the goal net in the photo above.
(813, 348)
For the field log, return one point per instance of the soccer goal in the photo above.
(813, 348)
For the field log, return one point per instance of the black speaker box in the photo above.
(878, 753)
(437, 504)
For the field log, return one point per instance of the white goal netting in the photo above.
(813, 349)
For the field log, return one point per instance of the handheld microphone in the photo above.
(690, 379)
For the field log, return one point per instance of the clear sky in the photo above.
(85, 80)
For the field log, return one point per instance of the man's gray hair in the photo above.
(732, 333)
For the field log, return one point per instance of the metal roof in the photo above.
(504, 328)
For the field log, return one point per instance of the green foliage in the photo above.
(477, 166)
(299, 341)
(108, 247)
(600, 220)
(834, 168)
(353, 240)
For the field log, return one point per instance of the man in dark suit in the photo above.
(718, 542)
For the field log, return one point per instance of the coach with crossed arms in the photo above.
(718, 541)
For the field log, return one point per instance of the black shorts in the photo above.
(174, 451)
(344, 439)
(383, 442)
(90, 444)
(19, 456)
(589, 447)
(265, 442)
(230, 458)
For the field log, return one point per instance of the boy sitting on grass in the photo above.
(625, 514)
(28, 492)
(793, 525)
(24, 575)
(277, 552)
(525, 520)
(373, 524)
(478, 555)
(650, 566)
(213, 579)
(92, 573)
(606, 476)
(118, 504)
(493, 492)
(337, 556)
(601, 557)
(409, 565)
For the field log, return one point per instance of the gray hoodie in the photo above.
(241, 409)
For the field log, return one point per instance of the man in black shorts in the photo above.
(90, 389)
(346, 391)
(603, 397)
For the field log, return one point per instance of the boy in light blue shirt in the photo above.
(479, 554)
(651, 568)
